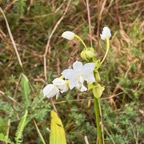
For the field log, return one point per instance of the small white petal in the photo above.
(73, 83)
(90, 78)
(69, 74)
(105, 33)
(68, 35)
(81, 79)
(88, 67)
(83, 88)
(58, 81)
(102, 36)
(61, 84)
(50, 90)
(77, 66)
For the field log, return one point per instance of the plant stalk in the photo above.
(97, 114)
(76, 36)
(107, 49)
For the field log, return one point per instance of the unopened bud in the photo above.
(88, 54)
(97, 76)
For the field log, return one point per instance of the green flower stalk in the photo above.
(107, 43)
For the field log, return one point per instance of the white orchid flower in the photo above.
(61, 84)
(105, 33)
(79, 74)
(68, 35)
(51, 90)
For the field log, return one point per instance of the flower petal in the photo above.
(90, 78)
(87, 72)
(77, 66)
(50, 90)
(68, 73)
(83, 88)
(61, 84)
(73, 83)
(88, 68)
(58, 81)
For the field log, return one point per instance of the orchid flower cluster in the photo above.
(79, 73)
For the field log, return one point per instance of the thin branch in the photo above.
(89, 19)
(49, 39)
(11, 37)
(86, 140)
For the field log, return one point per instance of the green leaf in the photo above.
(20, 129)
(25, 88)
(57, 134)
(97, 76)
(98, 90)
(4, 138)
(91, 86)
(3, 125)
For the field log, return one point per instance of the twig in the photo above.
(9, 5)
(49, 39)
(11, 37)
(100, 11)
(9, 124)
(89, 20)
(86, 140)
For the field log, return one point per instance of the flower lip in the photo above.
(68, 35)
(105, 33)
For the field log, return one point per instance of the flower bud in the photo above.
(97, 76)
(105, 33)
(68, 35)
(88, 54)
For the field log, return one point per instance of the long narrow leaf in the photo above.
(25, 88)
(57, 134)
(20, 129)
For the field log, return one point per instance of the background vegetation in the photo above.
(36, 25)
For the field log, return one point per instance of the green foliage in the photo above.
(25, 88)
(122, 126)
(4, 138)
(3, 125)
(20, 129)
(20, 6)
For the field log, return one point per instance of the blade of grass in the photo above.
(40, 135)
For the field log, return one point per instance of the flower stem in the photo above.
(107, 49)
(81, 41)
(97, 114)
